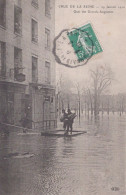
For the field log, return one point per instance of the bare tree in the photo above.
(121, 103)
(63, 93)
(88, 99)
(77, 85)
(101, 79)
(58, 95)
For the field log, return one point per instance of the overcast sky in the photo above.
(110, 30)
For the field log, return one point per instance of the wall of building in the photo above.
(29, 49)
(24, 41)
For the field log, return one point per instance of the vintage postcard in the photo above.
(62, 97)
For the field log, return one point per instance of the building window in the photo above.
(47, 39)
(34, 69)
(17, 20)
(35, 3)
(3, 13)
(47, 8)
(17, 62)
(34, 31)
(47, 73)
(2, 59)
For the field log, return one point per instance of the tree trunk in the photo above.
(96, 105)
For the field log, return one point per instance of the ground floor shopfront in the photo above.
(38, 105)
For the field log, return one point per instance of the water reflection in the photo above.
(67, 149)
(89, 164)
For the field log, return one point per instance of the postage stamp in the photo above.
(75, 47)
(84, 42)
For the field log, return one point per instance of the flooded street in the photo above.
(88, 164)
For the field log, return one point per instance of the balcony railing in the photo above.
(35, 38)
(35, 3)
(19, 76)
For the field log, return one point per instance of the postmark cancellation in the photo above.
(75, 47)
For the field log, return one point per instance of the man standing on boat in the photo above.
(70, 121)
(64, 119)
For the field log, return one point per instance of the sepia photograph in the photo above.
(62, 97)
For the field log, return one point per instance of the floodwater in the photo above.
(88, 164)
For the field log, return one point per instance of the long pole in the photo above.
(79, 111)
(43, 111)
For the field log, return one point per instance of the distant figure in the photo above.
(25, 121)
(70, 117)
(64, 119)
(70, 121)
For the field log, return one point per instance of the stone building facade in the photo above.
(27, 65)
